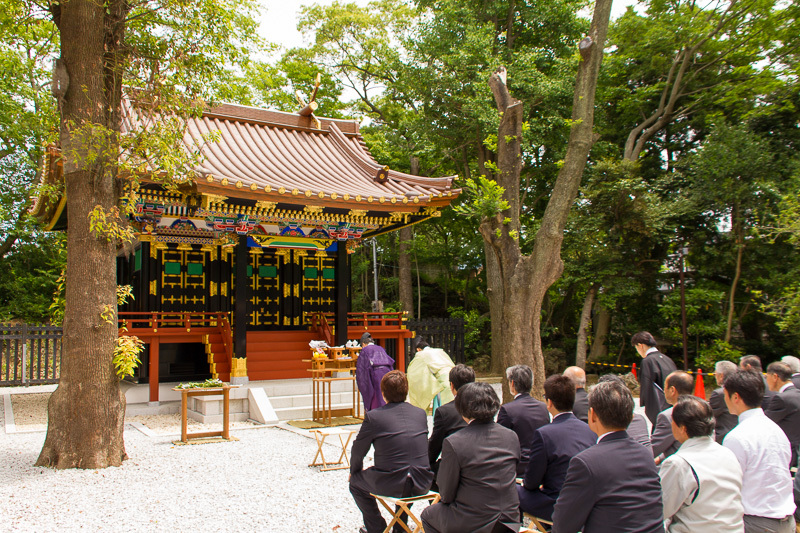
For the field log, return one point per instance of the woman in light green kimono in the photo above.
(429, 376)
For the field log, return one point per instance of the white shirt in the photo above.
(650, 350)
(717, 505)
(764, 454)
(785, 386)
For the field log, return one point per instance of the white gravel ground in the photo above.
(262, 482)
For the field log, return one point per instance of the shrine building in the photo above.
(238, 269)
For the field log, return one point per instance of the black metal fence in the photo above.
(444, 333)
(29, 355)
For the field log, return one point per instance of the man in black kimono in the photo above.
(655, 368)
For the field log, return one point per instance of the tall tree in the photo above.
(525, 278)
(172, 52)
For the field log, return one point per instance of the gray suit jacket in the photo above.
(399, 433)
(662, 439)
(477, 480)
(725, 421)
(581, 407)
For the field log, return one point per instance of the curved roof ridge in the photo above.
(366, 161)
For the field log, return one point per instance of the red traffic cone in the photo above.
(699, 385)
(633, 369)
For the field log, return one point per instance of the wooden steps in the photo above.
(278, 354)
(215, 352)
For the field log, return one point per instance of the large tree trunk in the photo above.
(404, 261)
(526, 279)
(494, 293)
(583, 328)
(602, 327)
(86, 412)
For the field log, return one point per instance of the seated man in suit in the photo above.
(677, 384)
(477, 477)
(612, 487)
(753, 364)
(702, 482)
(552, 448)
(794, 364)
(637, 429)
(724, 421)
(399, 433)
(524, 414)
(446, 420)
(581, 406)
(784, 409)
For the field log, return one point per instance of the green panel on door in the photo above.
(328, 273)
(310, 273)
(172, 269)
(194, 269)
(268, 271)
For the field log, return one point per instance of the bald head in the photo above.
(577, 375)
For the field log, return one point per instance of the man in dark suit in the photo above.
(724, 420)
(612, 487)
(552, 448)
(524, 414)
(677, 384)
(478, 471)
(399, 433)
(655, 368)
(581, 406)
(784, 409)
(753, 364)
(446, 420)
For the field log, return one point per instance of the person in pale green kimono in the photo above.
(428, 376)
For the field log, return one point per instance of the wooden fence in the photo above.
(29, 355)
(444, 333)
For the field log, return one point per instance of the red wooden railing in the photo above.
(133, 323)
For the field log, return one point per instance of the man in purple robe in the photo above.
(373, 363)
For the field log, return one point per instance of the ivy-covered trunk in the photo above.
(86, 412)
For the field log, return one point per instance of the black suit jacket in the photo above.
(655, 369)
(612, 487)
(784, 410)
(581, 407)
(523, 415)
(725, 421)
(796, 380)
(662, 440)
(477, 480)
(446, 421)
(553, 446)
(399, 433)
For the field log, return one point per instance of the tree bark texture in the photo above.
(404, 262)
(86, 412)
(526, 279)
(583, 328)
(602, 327)
(738, 231)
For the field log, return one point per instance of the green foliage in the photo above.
(109, 225)
(29, 275)
(718, 351)
(477, 333)
(126, 355)
(207, 384)
(485, 198)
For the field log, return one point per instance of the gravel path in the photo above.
(261, 482)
